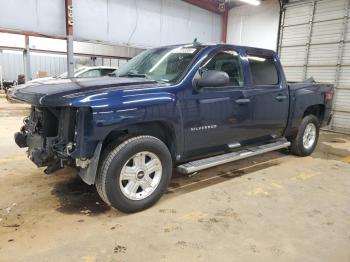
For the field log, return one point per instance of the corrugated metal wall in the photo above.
(315, 42)
(12, 65)
(53, 65)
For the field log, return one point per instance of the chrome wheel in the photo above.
(140, 175)
(309, 136)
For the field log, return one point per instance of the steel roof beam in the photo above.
(212, 6)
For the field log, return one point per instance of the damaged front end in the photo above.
(50, 135)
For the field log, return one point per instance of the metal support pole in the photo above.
(70, 56)
(1, 78)
(341, 43)
(69, 32)
(311, 24)
(340, 54)
(26, 60)
(281, 30)
(224, 22)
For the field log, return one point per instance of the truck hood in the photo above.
(62, 92)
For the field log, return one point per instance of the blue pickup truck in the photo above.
(190, 106)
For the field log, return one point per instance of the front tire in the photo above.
(134, 174)
(306, 139)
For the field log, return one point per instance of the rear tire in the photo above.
(306, 139)
(134, 174)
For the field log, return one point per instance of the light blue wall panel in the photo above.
(144, 23)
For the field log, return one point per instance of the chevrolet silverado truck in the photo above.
(188, 107)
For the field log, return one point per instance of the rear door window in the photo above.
(263, 70)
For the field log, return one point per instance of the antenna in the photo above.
(195, 42)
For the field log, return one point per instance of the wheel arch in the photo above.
(163, 130)
(317, 110)
(160, 129)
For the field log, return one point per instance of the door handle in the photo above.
(242, 101)
(281, 97)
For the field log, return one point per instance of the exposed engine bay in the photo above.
(49, 134)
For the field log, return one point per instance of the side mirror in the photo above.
(213, 78)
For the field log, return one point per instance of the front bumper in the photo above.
(49, 135)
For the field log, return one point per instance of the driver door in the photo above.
(217, 116)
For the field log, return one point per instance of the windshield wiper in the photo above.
(136, 75)
(144, 76)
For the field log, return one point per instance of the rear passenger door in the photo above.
(268, 94)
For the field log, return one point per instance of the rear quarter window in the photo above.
(263, 70)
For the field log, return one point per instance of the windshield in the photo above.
(160, 64)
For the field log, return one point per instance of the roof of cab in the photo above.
(248, 48)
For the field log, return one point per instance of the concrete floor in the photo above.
(274, 207)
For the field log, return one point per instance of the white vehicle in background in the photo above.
(82, 72)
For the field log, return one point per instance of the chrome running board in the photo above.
(205, 163)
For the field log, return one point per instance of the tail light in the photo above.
(328, 96)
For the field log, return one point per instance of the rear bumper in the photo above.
(329, 119)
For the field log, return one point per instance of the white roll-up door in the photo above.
(315, 42)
